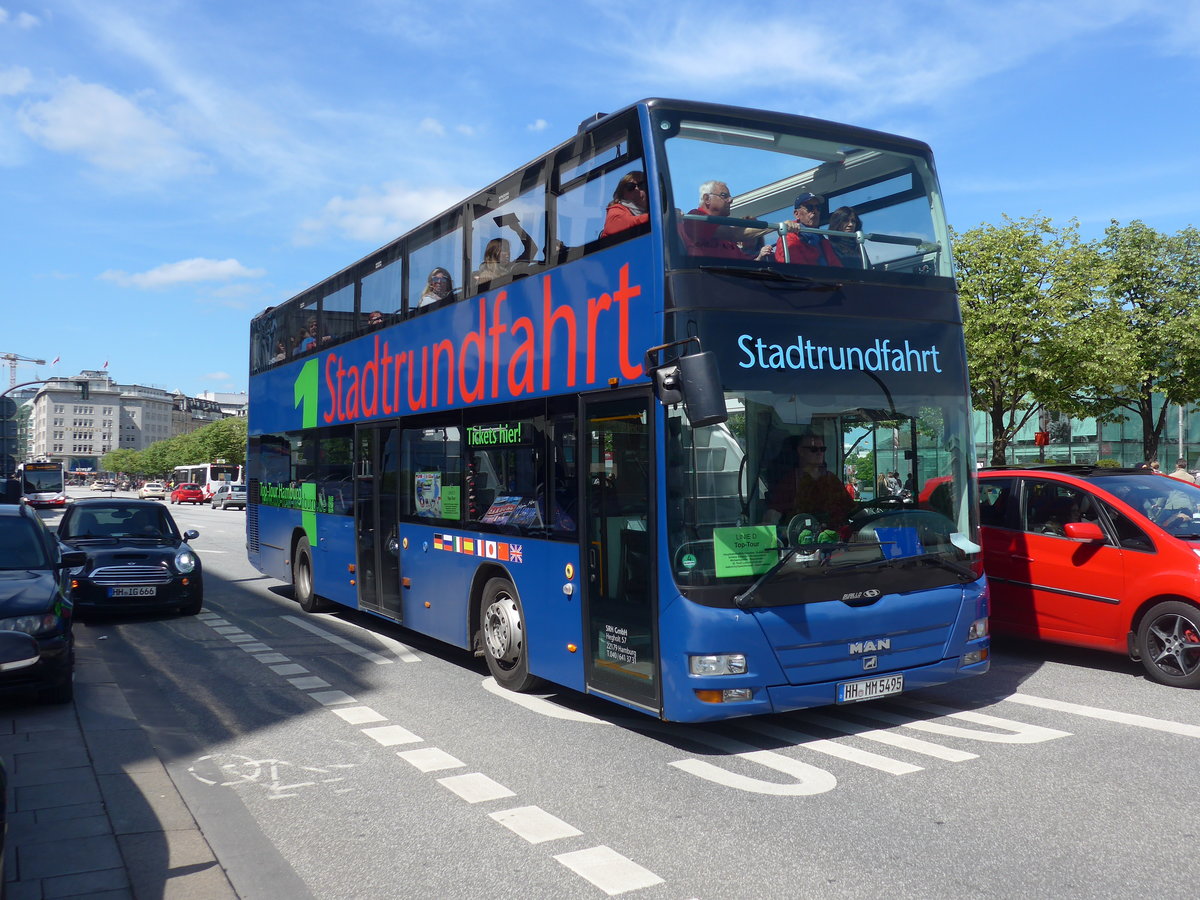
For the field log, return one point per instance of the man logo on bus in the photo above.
(870, 646)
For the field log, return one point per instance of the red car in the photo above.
(187, 493)
(1096, 557)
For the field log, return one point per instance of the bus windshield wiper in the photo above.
(771, 274)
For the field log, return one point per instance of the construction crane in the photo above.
(12, 359)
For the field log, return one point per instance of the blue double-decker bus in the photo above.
(676, 415)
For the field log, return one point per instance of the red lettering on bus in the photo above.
(386, 362)
(473, 339)
(335, 406)
(413, 404)
(524, 354)
(550, 315)
(624, 294)
(371, 370)
(498, 328)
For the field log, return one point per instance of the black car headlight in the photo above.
(185, 561)
(43, 623)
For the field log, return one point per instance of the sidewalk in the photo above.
(91, 810)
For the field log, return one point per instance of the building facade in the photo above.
(76, 430)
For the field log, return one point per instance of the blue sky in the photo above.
(169, 169)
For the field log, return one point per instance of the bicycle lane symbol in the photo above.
(279, 778)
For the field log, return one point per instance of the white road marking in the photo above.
(391, 735)
(539, 704)
(608, 870)
(270, 658)
(289, 669)
(806, 779)
(1008, 731)
(332, 698)
(534, 824)
(430, 759)
(256, 647)
(237, 637)
(821, 745)
(340, 641)
(228, 629)
(900, 741)
(475, 788)
(1109, 715)
(359, 715)
(308, 683)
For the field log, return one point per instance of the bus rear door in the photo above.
(375, 520)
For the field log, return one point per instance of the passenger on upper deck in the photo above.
(439, 288)
(712, 239)
(806, 248)
(628, 207)
(307, 339)
(844, 218)
(497, 255)
(374, 320)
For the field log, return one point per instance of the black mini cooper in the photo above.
(137, 559)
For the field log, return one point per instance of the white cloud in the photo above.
(188, 271)
(14, 80)
(539, 125)
(27, 20)
(431, 126)
(108, 130)
(380, 214)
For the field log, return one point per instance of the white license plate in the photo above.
(133, 592)
(854, 691)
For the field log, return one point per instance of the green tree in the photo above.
(1029, 318)
(124, 461)
(1151, 282)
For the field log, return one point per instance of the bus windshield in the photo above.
(780, 197)
(825, 468)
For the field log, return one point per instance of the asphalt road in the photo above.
(341, 756)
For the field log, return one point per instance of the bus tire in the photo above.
(502, 630)
(302, 581)
(1168, 644)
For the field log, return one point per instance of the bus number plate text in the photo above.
(854, 691)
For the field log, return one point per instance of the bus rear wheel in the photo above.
(502, 627)
(302, 582)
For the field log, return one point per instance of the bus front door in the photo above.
(620, 599)
(375, 524)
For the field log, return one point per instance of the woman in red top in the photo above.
(628, 208)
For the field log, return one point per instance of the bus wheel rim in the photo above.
(501, 629)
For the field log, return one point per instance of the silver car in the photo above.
(227, 495)
(153, 490)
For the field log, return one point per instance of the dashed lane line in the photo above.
(1108, 715)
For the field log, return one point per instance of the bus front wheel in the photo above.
(302, 581)
(502, 627)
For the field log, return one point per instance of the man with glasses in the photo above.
(716, 239)
(801, 483)
(805, 247)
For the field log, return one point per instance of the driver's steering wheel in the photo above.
(798, 524)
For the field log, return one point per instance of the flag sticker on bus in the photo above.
(498, 550)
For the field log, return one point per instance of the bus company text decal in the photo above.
(504, 358)
(881, 356)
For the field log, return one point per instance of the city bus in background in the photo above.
(557, 432)
(208, 475)
(43, 484)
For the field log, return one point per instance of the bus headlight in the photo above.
(978, 629)
(718, 664)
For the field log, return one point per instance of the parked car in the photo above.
(104, 486)
(153, 490)
(187, 493)
(227, 495)
(1096, 557)
(137, 559)
(35, 599)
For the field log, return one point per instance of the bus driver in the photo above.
(802, 484)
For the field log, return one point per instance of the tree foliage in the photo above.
(224, 439)
(1029, 318)
(1151, 285)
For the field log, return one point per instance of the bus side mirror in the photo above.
(695, 381)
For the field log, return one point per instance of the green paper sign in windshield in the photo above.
(747, 550)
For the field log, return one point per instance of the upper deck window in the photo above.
(757, 194)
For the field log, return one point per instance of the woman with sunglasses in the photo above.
(629, 205)
(439, 288)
